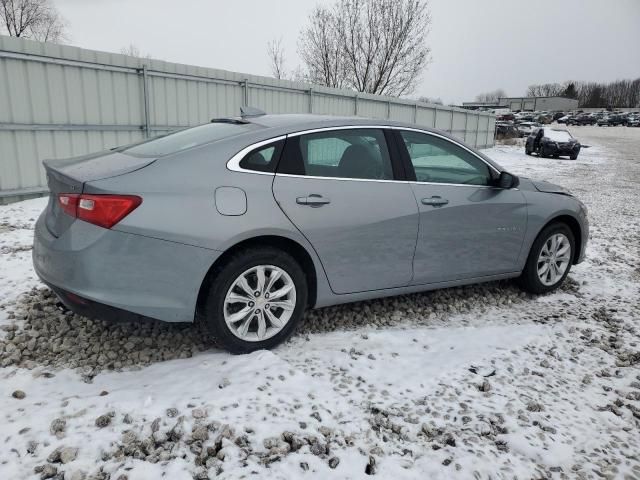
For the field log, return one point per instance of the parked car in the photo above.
(506, 117)
(582, 119)
(525, 117)
(506, 130)
(551, 142)
(617, 119)
(603, 121)
(525, 128)
(557, 115)
(544, 118)
(242, 224)
(633, 121)
(563, 119)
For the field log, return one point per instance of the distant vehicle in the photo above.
(525, 128)
(551, 142)
(544, 118)
(603, 121)
(617, 119)
(633, 121)
(506, 117)
(582, 119)
(506, 130)
(557, 115)
(525, 117)
(563, 119)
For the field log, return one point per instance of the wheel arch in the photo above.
(299, 253)
(575, 228)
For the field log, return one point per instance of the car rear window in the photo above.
(188, 138)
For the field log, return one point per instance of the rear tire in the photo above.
(531, 279)
(573, 157)
(265, 324)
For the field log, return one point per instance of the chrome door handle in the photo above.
(313, 200)
(435, 201)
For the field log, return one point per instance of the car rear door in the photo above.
(340, 188)
(468, 228)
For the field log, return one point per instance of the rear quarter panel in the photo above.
(179, 204)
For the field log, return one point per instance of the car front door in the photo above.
(339, 188)
(468, 228)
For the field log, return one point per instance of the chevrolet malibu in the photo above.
(243, 223)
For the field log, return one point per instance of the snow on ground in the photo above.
(474, 382)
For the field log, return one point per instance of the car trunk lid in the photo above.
(69, 175)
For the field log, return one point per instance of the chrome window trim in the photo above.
(234, 163)
(292, 175)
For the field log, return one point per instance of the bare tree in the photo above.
(275, 52)
(620, 93)
(133, 51)
(34, 19)
(493, 96)
(373, 46)
(321, 51)
(434, 101)
(546, 90)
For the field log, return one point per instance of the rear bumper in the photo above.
(91, 309)
(143, 276)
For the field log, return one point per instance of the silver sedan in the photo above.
(243, 223)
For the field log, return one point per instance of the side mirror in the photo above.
(507, 180)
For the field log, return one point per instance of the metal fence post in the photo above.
(435, 115)
(451, 123)
(389, 109)
(245, 87)
(415, 113)
(311, 100)
(355, 105)
(466, 121)
(145, 93)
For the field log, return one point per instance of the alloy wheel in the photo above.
(259, 303)
(554, 259)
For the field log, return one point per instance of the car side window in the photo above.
(437, 160)
(263, 159)
(359, 153)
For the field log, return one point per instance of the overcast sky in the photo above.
(476, 45)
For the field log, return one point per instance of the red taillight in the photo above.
(102, 210)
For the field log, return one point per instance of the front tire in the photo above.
(549, 260)
(255, 301)
(542, 153)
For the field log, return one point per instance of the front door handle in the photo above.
(435, 201)
(313, 200)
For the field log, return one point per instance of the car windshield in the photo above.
(558, 135)
(187, 138)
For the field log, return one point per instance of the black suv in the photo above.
(550, 142)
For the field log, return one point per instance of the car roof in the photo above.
(278, 125)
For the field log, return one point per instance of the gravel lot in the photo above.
(482, 381)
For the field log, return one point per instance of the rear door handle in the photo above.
(313, 200)
(435, 201)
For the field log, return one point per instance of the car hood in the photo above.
(542, 186)
(548, 187)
